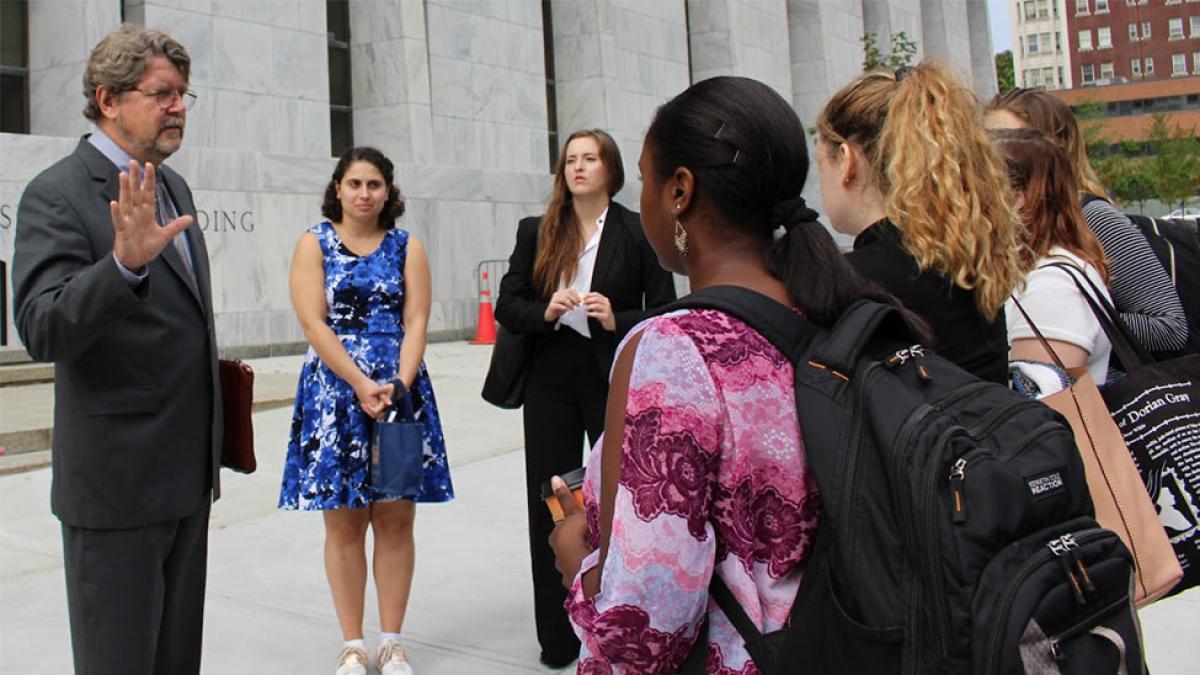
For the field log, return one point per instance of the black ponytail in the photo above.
(748, 153)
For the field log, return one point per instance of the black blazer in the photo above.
(626, 272)
(961, 333)
(137, 413)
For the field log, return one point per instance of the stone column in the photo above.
(391, 90)
(61, 36)
(615, 62)
(731, 37)
(944, 27)
(983, 52)
(885, 18)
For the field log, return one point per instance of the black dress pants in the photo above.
(136, 597)
(564, 400)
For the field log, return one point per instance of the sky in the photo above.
(998, 18)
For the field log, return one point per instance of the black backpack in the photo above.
(956, 534)
(1176, 244)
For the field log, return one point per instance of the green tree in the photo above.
(1174, 168)
(1006, 79)
(1127, 179)
(903, 49)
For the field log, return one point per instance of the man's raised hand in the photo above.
(138, 236)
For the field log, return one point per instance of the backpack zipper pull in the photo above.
(958, 473)
(1059, 548)
(918, 354)
(1073, 550)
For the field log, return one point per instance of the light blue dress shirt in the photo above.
(109, 148)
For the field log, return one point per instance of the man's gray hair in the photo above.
(121, 58)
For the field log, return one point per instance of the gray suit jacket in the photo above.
(137, 407)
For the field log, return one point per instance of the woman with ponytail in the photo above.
(579, 278)
(701, 437)
(907, 170)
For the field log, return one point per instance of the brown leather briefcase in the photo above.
(237, 395)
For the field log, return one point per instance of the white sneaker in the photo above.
(392, 659)
(352, 661)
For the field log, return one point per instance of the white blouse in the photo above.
(576, 318)
(1061, 312)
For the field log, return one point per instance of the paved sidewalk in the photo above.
(268, 608)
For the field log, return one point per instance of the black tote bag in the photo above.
(504, 385)
(1157, 408)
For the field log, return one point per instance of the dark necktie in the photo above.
(161, 201)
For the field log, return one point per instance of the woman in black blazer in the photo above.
(578, 279)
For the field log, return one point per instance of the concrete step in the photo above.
(28, 449)
(25, 461)
(11, 355)
(15, 374)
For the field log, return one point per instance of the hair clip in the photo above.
(736, 155)
(718, 134)
(902, 72)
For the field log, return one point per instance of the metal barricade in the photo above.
(495, 270)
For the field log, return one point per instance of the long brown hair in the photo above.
(559, 239)
(1050, 115)
(943, 186)
(1039, 168)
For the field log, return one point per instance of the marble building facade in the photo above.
(455, 92)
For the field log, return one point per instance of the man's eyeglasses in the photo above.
(165, 98)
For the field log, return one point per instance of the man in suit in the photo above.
(112, 285)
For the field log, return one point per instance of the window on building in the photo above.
(1135, 67)
(1061, 82)
(1103, 38)
(551, 92)
(1102, 6)
(1030, 10)
(14, 67)
(1172, 2)
(1033, 78)
(1178, 65)
(1196, 63)
(1058, 42)
(1149, 66)
(1085, 40)
(1048, 78)
(341, 108)
(1021, 44)
(1087, 73)
(1034, 45)
(1145, 30)
(1133, 34)
(1044, 8)
(1175, 28)
(1195, 21)
(1081, 7)
(1106, 70)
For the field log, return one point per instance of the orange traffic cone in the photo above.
(485, 328)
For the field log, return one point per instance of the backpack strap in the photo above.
(790, 332)
(1128, 350)
(855, 329)
(1088, 198)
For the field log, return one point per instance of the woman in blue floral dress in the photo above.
(361, 289)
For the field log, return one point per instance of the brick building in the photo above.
(1117, 41)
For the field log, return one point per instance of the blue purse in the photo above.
(398, 450)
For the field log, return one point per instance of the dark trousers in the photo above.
(564, 399)
(136, 596)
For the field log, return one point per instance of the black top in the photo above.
(962, 335)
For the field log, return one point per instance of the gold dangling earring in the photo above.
(681, 239)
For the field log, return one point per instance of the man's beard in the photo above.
(159, 148)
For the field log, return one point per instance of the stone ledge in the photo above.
(25, 373)
(26, 461)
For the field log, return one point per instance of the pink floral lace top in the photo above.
(713, 479)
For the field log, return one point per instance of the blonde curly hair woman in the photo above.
(907, 169)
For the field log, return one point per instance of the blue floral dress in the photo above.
(327, 455)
